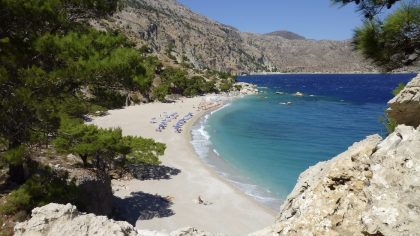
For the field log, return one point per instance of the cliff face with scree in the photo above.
(173, 31)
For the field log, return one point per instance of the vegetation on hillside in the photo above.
(177, 81)
(55, 71)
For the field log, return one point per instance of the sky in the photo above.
(313, 19)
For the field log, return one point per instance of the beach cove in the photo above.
(175, 200)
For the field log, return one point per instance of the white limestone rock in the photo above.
(371, 189)
(57, 219)
(405, 107)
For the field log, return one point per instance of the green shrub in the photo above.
(225, 86)
(389, 123)
(16, 156)
(160, 92)
(398, 89)
(41, 189)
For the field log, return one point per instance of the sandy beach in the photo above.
(173, 203)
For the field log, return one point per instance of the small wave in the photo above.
(254, 191)
(223, 107)
(203, 132)
(215, 151)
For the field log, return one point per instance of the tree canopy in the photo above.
(176, 81)
(105, 147)
(369, 8)
(54, 68)
(392, 42)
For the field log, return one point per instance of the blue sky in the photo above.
(314, 19)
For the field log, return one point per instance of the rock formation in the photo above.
(95, 186)
(175, 32)
(405, 107)
(371, 189)
(55, 219)
(246, 88)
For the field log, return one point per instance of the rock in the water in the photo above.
(405, 107)
(56, 219)
(371, 189)
(246, 88)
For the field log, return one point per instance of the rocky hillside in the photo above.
(174, 32)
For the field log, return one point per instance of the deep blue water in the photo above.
(262, 144)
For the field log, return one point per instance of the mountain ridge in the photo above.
(286, 34)
(177, 34)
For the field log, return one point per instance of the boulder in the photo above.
(405, 107)
(57, 219)
(97, 196)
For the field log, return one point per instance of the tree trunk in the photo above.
(84, 159)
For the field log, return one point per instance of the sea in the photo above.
(261, 143)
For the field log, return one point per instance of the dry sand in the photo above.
(230, 212)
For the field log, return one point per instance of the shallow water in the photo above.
(261, 144)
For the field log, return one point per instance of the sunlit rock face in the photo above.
(405, 107)
(371, 189)
(58, 219)
(172, 30)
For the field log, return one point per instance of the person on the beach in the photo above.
(200, 201)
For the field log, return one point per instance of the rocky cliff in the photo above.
(371, 189)
(405, 107)
(174, 32)
(95, 186)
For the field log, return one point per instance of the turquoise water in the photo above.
(261, 144)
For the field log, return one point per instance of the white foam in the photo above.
(215, 151)
(205, 151)
(223, 107)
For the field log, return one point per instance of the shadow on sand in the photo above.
(152, 172)
(142, 206)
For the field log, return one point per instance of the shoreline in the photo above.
(223, 170)
(230, 211)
